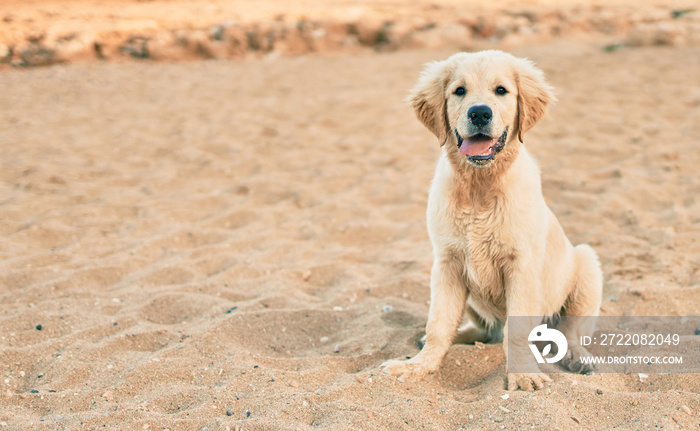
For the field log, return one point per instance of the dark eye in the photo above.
(501, 91)
(460, 91)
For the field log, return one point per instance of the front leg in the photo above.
(448, 296)
(523, 298)
(528, 376)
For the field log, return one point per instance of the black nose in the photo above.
(479, 115)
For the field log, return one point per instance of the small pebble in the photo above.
(687, 410)
(635, 403)
(294, 384)
(247, 414)
(387, 308)
(336, 348)
(38, 327)
(229, 412)
(575, 420)
(324, 339)
(599, 391)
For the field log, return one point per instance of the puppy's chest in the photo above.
(482, 238)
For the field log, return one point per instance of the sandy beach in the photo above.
(238, 244)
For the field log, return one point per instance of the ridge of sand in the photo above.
(42, 32)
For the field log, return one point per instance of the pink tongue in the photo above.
(480, 146)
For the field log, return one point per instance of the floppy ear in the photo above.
(534, 95)
(428, 98)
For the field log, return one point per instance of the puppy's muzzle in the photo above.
(480, 149)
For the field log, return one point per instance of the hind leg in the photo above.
(583, 300)
(472, 330)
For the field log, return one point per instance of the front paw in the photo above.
(412, 370)
(527, 381)
(572, 360)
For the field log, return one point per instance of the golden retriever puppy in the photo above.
(499, 251)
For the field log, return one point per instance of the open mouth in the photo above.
(481, 148)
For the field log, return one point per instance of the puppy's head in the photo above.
(480, 102)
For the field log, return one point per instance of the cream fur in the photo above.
(499, 250)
